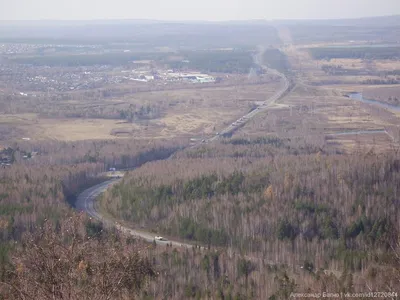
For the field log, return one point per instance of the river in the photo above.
(359, 97)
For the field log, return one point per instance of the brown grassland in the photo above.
(301, 198)
(183, 112)
(314, 113)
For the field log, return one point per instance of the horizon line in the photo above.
(198, 20)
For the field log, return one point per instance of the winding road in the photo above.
(85, 200)
(85, 203)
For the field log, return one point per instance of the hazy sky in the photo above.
(194, 9)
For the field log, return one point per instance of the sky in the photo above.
(212, 10)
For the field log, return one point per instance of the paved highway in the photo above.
(267, 103)
(85, 201)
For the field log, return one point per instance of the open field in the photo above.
(336, 71)
(321, 50)
(112, 106)
(319, 116)
(378, 142)
(328, 62)
(33, 127)
(162, 81)
(357, 63)
(375, 74)
(182, 112)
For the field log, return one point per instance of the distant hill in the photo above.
(153, 33)
(380, 21)
(375, 30)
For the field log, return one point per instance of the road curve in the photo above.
(85, 203)
(85, 200)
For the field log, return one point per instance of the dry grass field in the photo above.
(317, 107)
(377, 142)
(319, 116)
(186, 112)
(358, 64)
(309, 70)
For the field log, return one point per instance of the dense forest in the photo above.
(36, 186)
(217, 61)
(274, 216)
(109, 153)
(355, 52)
(73, 60)
(311, 212)
(276, 59)
(73, 259)
(41, 237)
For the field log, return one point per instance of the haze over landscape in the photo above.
(224, 150)
(211, 10)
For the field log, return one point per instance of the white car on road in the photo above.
(160, 238)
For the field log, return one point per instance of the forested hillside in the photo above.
(42, 240)
(306, 213)
(273, 216)
(175, 160)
